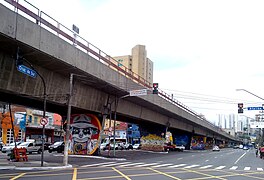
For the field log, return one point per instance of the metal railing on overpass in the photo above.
(39, 17)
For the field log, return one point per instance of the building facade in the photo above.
(138, 62)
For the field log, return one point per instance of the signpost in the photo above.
(26, 70)
(139, 92)
(255, 108)
(257, 124)
(44, 121)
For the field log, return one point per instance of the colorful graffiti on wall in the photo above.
(198, 142)
(182, 140)
(152, 142)
(85, 130)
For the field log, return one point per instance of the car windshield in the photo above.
(13, 143)
(24, 144)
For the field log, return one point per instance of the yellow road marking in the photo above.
(208, 175)
(16, 177)
(165, 174)
(246, 175)
(121, 174)
(74, 176)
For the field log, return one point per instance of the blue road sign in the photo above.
(26, 70)
(255, 108)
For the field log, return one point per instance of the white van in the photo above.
(120, 143)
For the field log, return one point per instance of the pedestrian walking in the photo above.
(257, 152)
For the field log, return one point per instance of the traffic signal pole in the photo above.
(262, 129)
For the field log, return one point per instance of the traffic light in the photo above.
(19, 58)
(155, 88)
(240, 107)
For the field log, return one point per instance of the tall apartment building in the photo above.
(138, 62)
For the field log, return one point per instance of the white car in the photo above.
(30, 146)
(245, 148)
(9, 147)
(136, 146)
(216, 148)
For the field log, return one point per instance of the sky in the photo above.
(202, 50)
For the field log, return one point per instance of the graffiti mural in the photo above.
(152, 142)
(181, 140)
(84, 134)
(198, 142)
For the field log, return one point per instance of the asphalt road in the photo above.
(227, 164)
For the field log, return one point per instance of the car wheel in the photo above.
(50, 151)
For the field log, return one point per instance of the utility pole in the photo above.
(66, 144)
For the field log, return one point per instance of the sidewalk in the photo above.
(34, 164)
(5, 164)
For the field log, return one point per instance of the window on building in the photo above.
(35, 120)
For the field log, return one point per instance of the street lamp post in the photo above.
(44, 107)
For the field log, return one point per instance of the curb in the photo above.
(34, 168)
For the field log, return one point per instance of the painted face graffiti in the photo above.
(83, 131)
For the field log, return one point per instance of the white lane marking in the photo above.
(89, 165)
(240, 157)
(132, 164)
(247, 168)
(208, 166)
(206, 160)
(234, 168)
(179, 158)
(216, 157)
(143, 165)
(191, 166)
(220, 167)
(178, 165)
(161, 165)
(114, 164)
(259, 169)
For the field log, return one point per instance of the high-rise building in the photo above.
(138, 62)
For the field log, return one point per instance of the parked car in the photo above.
(236, 147)
(57, 146)
(137, 146)
(128, 146)
(180, 148)
(10, 147)
(30, 146)
(216, 148)
(245, 148)
(46, 145)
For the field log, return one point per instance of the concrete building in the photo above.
(138, 62)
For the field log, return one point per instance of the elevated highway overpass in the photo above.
(54, 52)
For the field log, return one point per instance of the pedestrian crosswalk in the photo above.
(168, 165)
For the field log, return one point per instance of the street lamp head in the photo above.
(240, 89)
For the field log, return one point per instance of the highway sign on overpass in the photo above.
(255, 108)
(139, 92)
